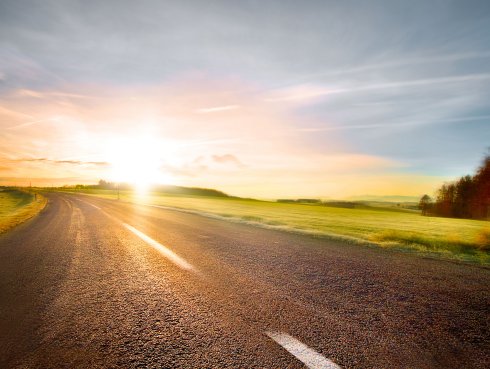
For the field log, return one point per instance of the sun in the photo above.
(137, 161)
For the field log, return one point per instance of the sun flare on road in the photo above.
(137, 161)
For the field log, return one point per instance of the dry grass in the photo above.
(18, 206)
(483, 239)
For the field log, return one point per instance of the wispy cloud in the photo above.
(31, 123)
(43, 181)
(414, 61)
(71, 162)
(216, 109)
(13, 114)
(49, 94)
(418, 82)
(309, 92)
(392, 124)
(228, 159)
(299, 92)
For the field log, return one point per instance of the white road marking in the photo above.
(169, 254)
(91, 204)
(88, 203)
(306, 355)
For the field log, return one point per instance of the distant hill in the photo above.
(196, 191)
(167, 189)
(391, 198)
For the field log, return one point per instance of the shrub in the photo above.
(483, 239)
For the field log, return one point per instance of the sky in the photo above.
(265, 99)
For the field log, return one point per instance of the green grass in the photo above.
(18, 206)
(401, 229)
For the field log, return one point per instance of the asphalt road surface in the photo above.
(94, 283)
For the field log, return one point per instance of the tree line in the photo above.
(468, 197)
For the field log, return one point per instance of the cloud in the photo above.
(43, 181)
(203, 165)
(49, 94)
(217, 109)
(307, 92)
(393, 124)
(72, 162)
(417, 82)
(227, 159)
(29, 93)
(191, 169)
(422, 59)
(27, 124)
(13, 114)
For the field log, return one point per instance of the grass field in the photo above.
(18, 206)
(373, 226)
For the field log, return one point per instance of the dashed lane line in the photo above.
(169, 254)
(306, 355)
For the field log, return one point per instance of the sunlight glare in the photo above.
(136, 161)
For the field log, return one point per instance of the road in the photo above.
(95, 283)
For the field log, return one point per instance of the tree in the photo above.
(480, 201)
(468, 197)
(445, 200)
(464, 189)
(106, 185)
(425, 204)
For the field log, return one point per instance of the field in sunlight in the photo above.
(376, 226)
(17, 206)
